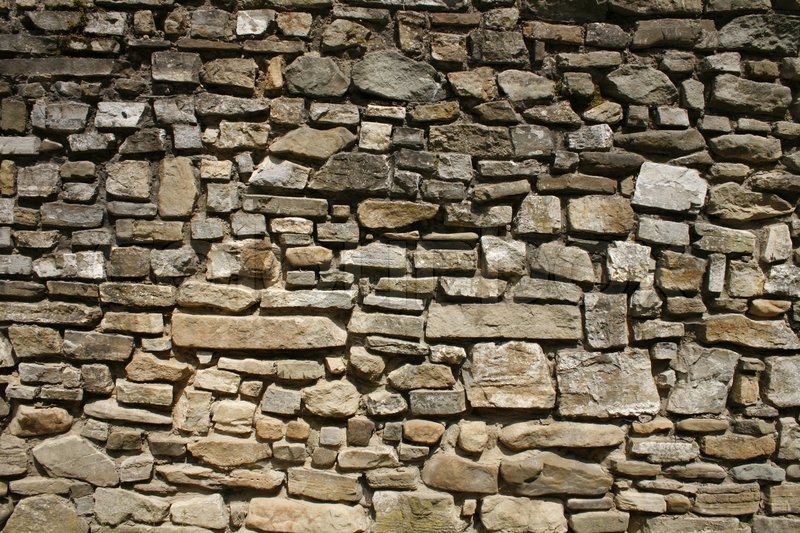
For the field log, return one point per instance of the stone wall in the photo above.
(399, 266)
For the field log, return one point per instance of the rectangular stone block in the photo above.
(509, 320)
(256, 332)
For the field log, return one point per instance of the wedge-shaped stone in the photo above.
(535, 473)
(732, 202)
(310, 143)
(110, 410)
(504, 320)
(507, 514)
(639, 84)
(324, 486)
(724, 240)
(60, 313)
(529, 435)
(228, 452)
(421, 376)
(513, 375)
(605, 385)
(147, 367)
(75, 457)
(661, 141)
(457, 474)
(232, 298)
(391, 75)
(281, 515)
(114, 506)
(393, 214)
(419, 510)
(742, 331)
(705, 376)
(256, 332)
(279, 174)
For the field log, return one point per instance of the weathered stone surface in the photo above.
(453, 473)
(733, 202)
(310, 143)
(568, 262)
(316, 76)
(492, 321)
(110, 410)
(742, 331)
(114, 506)
(511, 375)
(353, 172)
(419, 510)
(392, 214)
(761, 33)
(727, 499)
(661, 141)
(231, 298)
(255, 333)
(57, 313)
(640, 85)
(536, 473)
(601, 215)
(42, 512)
(75, 457)
(704, 378)
(605, 385)
(393, 76)
(606, 320)
(746, 147)
(731, 93)
(530, 435)
(520, 515)
(296, 516)
(475, 139)
(334, 399)
(670, 188)
(783, 384)
(31, 422)
(228, 452)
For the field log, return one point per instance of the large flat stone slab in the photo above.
(75, 457)
(274, 515)
(742, 331)
(504, 320)
(256, 332)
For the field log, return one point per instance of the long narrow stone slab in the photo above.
(504, 320)
(60, 66)
(256, 332)
(50, 313)
(742, 331)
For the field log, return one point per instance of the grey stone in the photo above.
(506, 513)
(606, 320)
(391, 75)
(768, 33)
(704, 378)
(568, 262)
(353, 172)
(623, 387)
(640, 85)
(746, 147)
(41, 512)
(75, 457)
(731, 93)
(316, 77)
(670, 188)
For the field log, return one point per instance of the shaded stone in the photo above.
(391, 75)
(114, 506)
(75, 457)
(110, 410)
(228, 452)
(453, 473)
(746, 147)
(768, 33)
(661, 141)
(640, 85)
(536, 473)
(783, 381)
(475, 139)
(605, 385)
(42, 512)
(317, 77)
(353, 172)
(731, 93)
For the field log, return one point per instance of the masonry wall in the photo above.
(399, 266)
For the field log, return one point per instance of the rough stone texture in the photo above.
(399, 265)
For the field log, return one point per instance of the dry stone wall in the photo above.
(399, 266)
